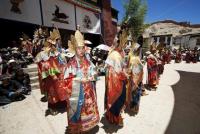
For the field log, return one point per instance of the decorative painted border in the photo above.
(85, 5)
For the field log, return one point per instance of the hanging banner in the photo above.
(21, 10)
(60, 13)
(88, 21)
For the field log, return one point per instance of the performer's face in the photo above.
(52, 47)
(80, 51)
(58, 41)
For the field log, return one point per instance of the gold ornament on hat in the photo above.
(54, 35)
(36, 33)
(46, 44)
(71, 46)
(40, 33)
(51, 39)
(57, 33)
(79, 39)
(123, 38)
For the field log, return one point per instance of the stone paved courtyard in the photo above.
(173, 108)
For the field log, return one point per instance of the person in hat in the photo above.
(116, 76)
(178, 56)
(188, 57)
(168, 56)
(42, 59)
(152, 67)
(51, 73)
(26, 43)
(160, 62)
(40, 52)
(12, 67)
(134, 82)
(194, 56)
(165, 56)
(39, 38)
(80, 74)
(162, 58)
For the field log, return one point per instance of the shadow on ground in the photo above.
(130, 112)
(60, 107)
(186, 113)
(109, 128)
(92, 131)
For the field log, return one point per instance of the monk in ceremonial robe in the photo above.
(80, 74)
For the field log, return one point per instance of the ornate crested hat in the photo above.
(79, 38)
(75, 41)
(123, 37)
(71, 47)
(57, 33)
(40, 33)
(46, 44)
(54, 35)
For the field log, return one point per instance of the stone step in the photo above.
(34, 79)
(32, 65)
(33, 74)
(35, 86)
(36, 89)
(28, 70)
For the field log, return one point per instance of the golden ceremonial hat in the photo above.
(79, 39)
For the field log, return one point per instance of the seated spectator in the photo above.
(23, 79)
(1, 65)
(12, 67)
(20, 60)
(10, 89)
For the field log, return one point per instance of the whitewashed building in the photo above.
(173, 34)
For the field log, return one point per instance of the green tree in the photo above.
(135, 12)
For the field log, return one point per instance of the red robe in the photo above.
(51, 77)
(86, 112)
(54, 82)
(178, 57)
(115, 94)
(152, 71)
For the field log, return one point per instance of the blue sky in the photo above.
(178, 10)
